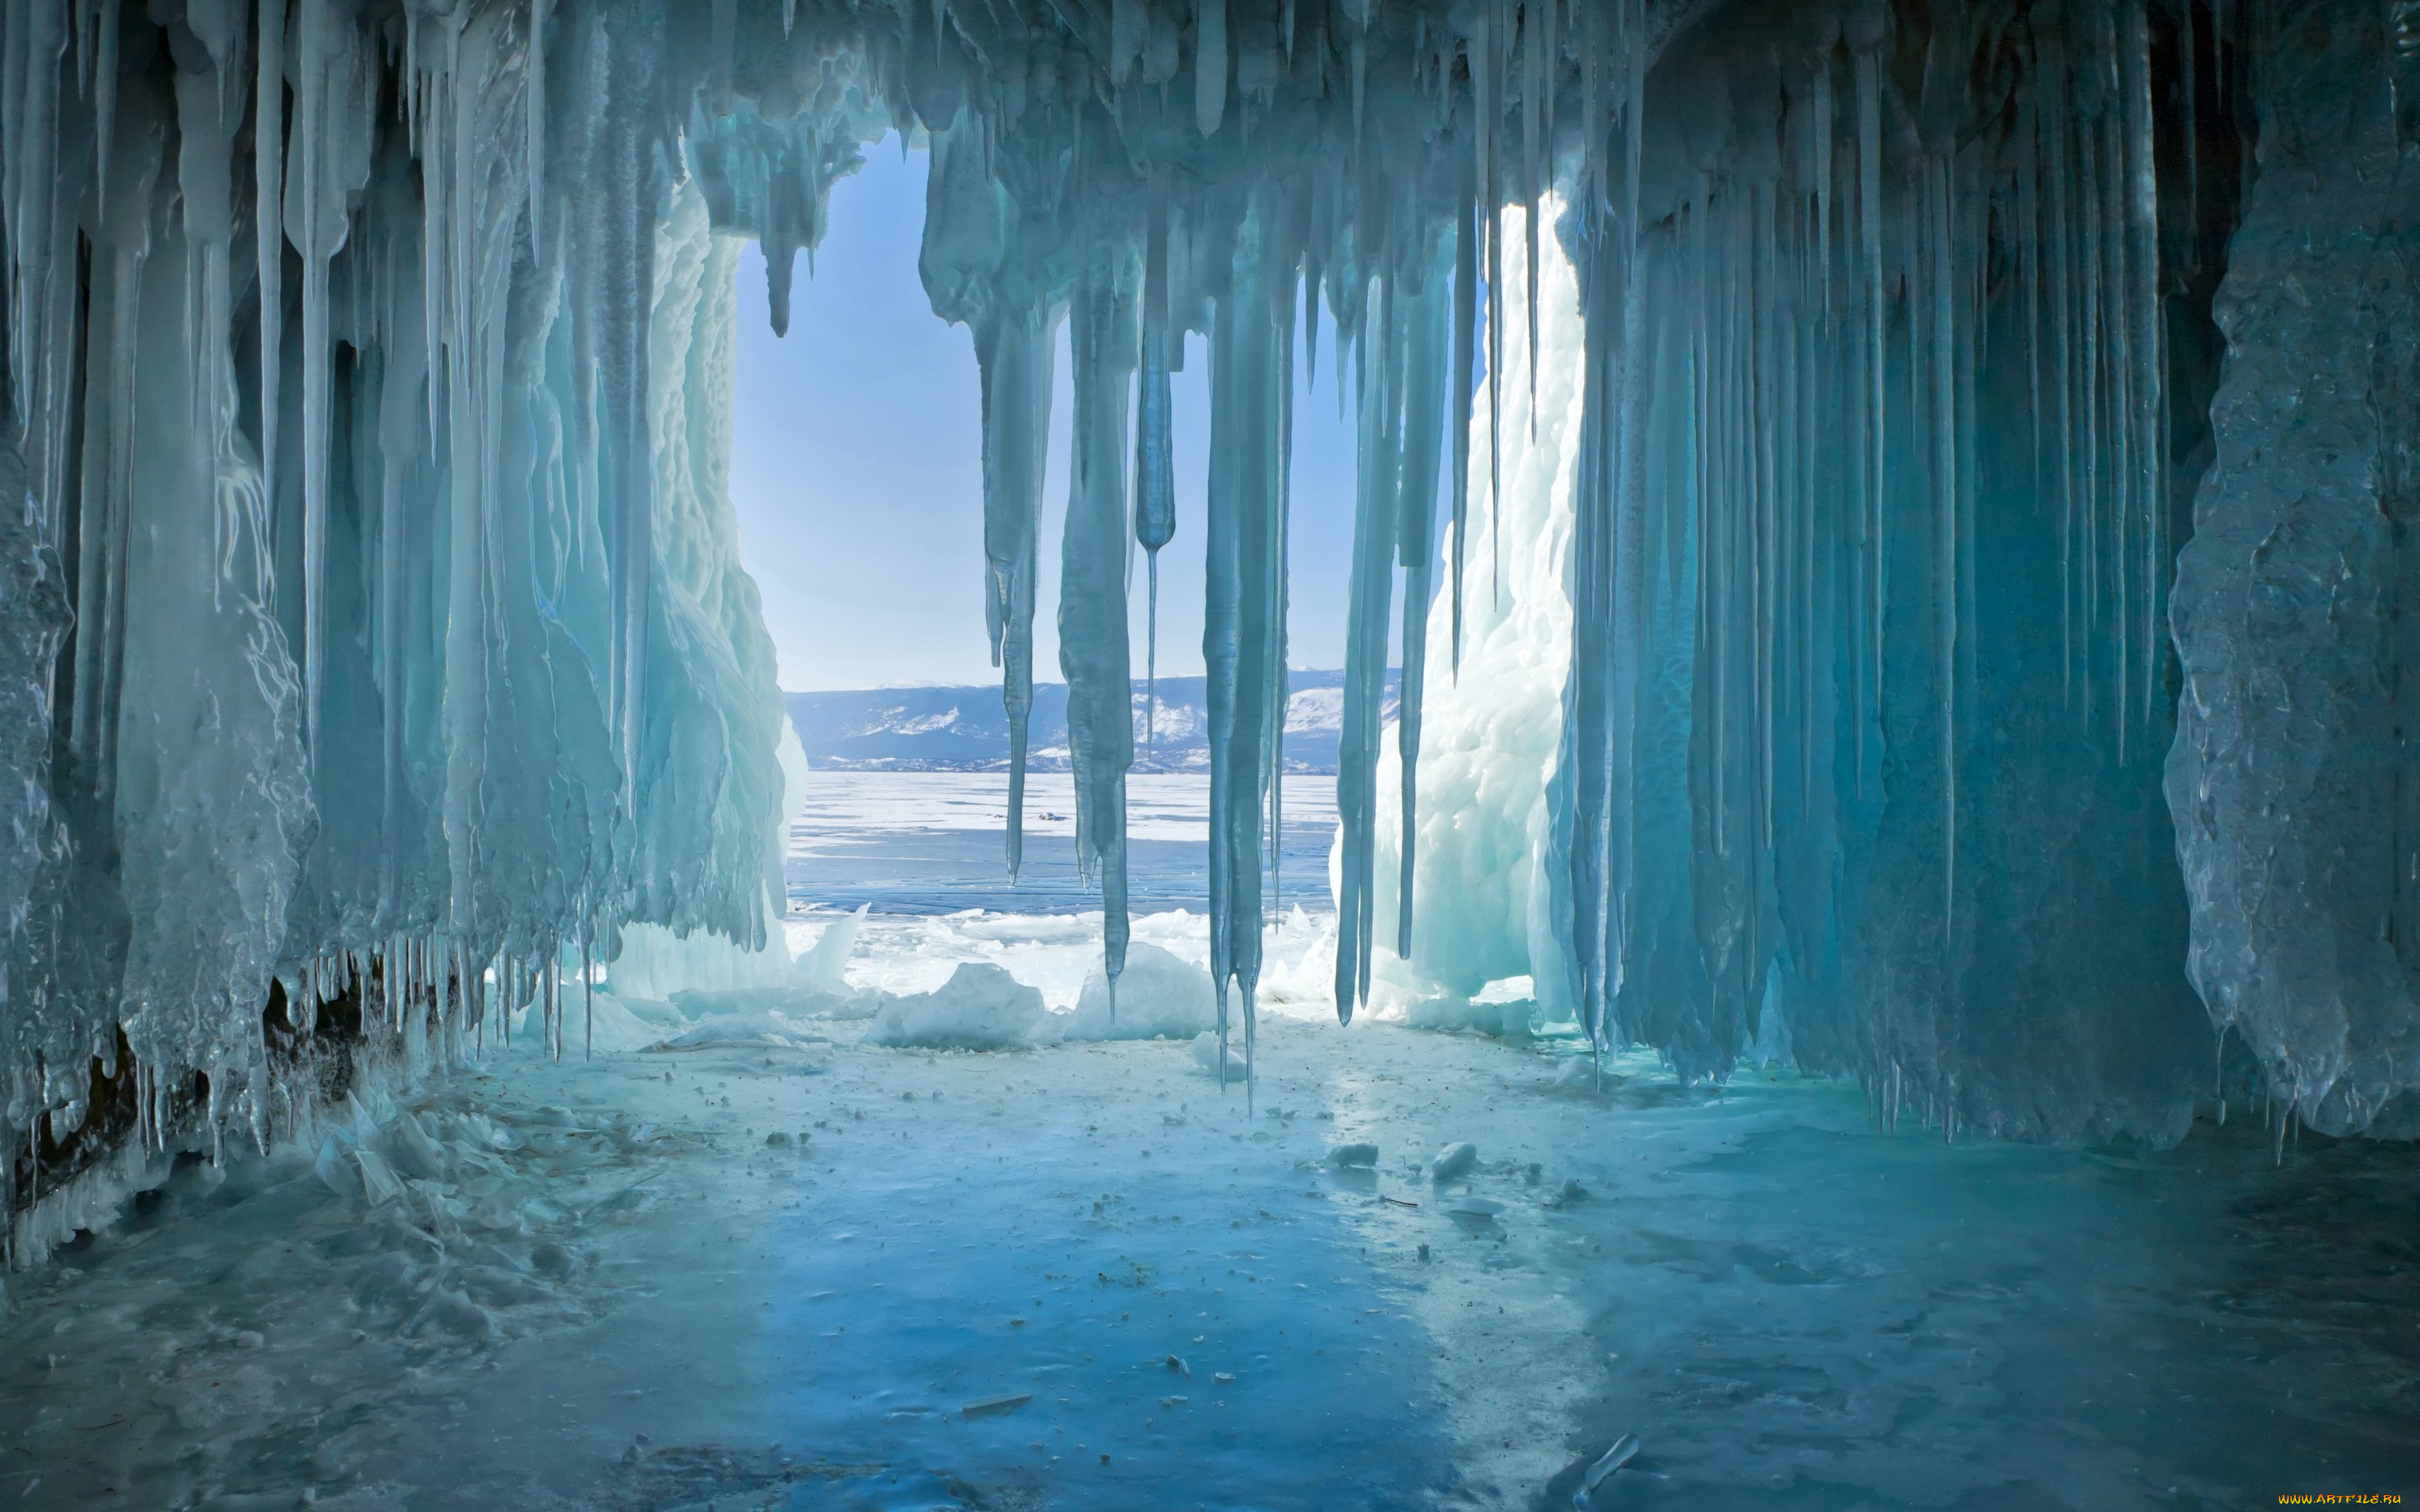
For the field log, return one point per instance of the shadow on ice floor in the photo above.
(1082, 1277)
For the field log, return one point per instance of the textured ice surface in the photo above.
(2291, 778)
(638, 1302)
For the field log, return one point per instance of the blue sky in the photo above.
(857, 471)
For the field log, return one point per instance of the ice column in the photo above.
(2291, 779)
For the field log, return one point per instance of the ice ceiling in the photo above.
(1967, 664)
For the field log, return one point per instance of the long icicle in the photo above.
(1017, 363)
(1868, 194)
(1154, 447)
(268, 163)
(1425, 410)
(1463, 391)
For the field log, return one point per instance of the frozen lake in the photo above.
(934, 842)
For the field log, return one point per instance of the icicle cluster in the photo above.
(1871, 680)
(374, 614)
(375, 608)
(1144, 171)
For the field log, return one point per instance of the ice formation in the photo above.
(1490, 733)
(980, 1007)
(376, 634)
(1160, 996)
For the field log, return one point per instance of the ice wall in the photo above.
(1875, 533)
(2293, 777)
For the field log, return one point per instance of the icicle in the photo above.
(2118, 394)
(1534, 89)
(1016, 359)
(1462, 394)
(312, 131)
(2057, 243)
(1376, 517)
(1243, 584)
(1822, 129)
(1487, 27)
(1209, 65)
(534, 111)
(1866, 40)
(2148, 364)
(1093, 649)
(1941, 280)
(1426, 408)
(1154, 451)
(2091, 228)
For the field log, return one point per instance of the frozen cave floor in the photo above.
(605, 1288)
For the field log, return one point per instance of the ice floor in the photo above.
(830, 1275)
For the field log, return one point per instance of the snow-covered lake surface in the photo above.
(811, 1272)
(934, 842)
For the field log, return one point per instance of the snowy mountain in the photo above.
(964, 728)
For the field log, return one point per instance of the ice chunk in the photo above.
(824, 966)
(1453, 1163)
(1205, 1054)
(766, 1028)
(1603, 1470)
(980, 1007)
(1160, 996)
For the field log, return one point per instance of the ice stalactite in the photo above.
(1092, 652)
(1154, 447)
(976, 269)
(1401, 395)
(1253, 379)
(1426, 311)
(1368, 606)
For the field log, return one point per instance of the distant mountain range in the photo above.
(965, 729)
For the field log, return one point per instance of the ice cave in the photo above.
(1795, 883)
